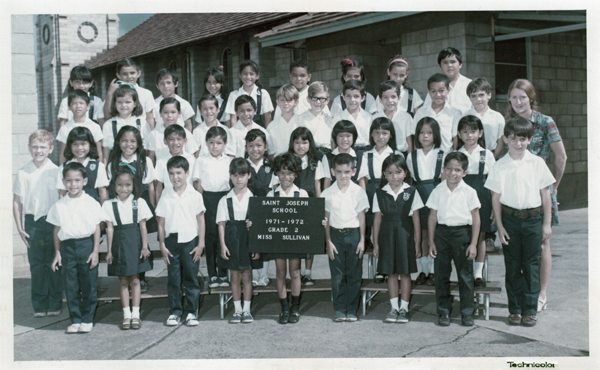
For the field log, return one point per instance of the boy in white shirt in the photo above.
(79, 104)
(129, 71)
(245, 109)
(450, 62)
(34, 194)
(175, 139)
(318, 118)
(345, 206)
(519, 184)
(439, 109)
(282, 126)
(480, 93)
(166, 82)
(209, 111)
(170, 112)
(181, 226)
(453, 231)
(389, 93)
(354, 95)
(77, 218)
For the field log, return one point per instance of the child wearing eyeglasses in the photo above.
(318, 119)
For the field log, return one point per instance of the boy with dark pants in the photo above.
(522, 208)
(453, 230)
(345, 206)
(181, 227)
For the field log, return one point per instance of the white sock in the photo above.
(394, 302)
(478, 269)
(126, 313)
(424, 265)
(404, 305)
(265, 270)
(238, 306)
(247, 306)
(430, 265)
(135, 312)
(307, 272)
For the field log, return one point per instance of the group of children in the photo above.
(390, 169)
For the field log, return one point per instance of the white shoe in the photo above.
(191, 320)
(263, 281)
(73, 328)
(173, 320)
(86, 327)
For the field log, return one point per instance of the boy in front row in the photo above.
(453, 231)
(520, 197)
(345, 206)
(77, 218)
(180, 214)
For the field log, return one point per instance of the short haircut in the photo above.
(435, 128)
(474, 123)
(41, 135)
(127, 62)
(74, 166)
(81, 73)
(317, 87)
(167, 72)
(460, 157)
(216, 131)
(78, 94)
(300, 63)
(344, 126)
(448, 52)
(208, 97)
(386, 124)
(174, 130)
(518, 126)
(239, 166)
(479, 84)
(287, 161)
(343, 159)
(288, 92)
(243, 99)
(438, 77)
(178, 162)
(170, 100)
(354, 85)
(255, 134)
(389, 85)
(124, 170)
(121, 91)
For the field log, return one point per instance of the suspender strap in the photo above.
(230, 209)
(135, 211)
(91, 111)
(438, 165)
(370, 165)
(410, 100)
(138, 124)
(415, 165)
(481, 164)
(116, 212)
(276, 194)
(258, 102)
(296, 194)
(221, 111)
(114, 127)
(115, 208)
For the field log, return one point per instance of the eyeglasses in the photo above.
(317, 99)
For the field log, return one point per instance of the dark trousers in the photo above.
(46, 285)
(522, 261)
(452, 243)
(180, 270)
(81, 282)
(346, 271)
(211, 240)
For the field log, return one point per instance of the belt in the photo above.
(522, 213)
(344, 230)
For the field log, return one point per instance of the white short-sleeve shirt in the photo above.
(180, 213)
(187, 111)
(457, 97)
(282, 194)
(454, 207)
(161, 150)
(320, 170)
(64, 131)
(447, 118)
(266, 103)
(336, 105)
(107, 130)
(65, 113)
(403, 104)
(77, 217)
(279, 134)
(200, 139)
(377, 162)
(493, 126)
(101, 177)
(319, 126)
(425, 163)
(416, 204)
(475, 157)
(362, 123)
(403, 124)
(519, 182)
(36, 188)
(146, 99)
(344, 207)
(162, 174)
(240, 207)
(126, 210)
(212, 172)
(148, 177)
(239, 132)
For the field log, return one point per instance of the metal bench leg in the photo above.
(222, 304)
(364, 302)
(486, 298)
(485, 268)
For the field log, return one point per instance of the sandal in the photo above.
(126, 324)
(542, 304)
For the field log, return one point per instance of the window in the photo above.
(245, 51)
(227, 63)
(511, 63)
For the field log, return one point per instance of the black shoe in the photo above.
(307, 281)
(294, 314)
(467, 320)
(284, 317)
(480, 282)
(421, 279)
(430, 280)
(379, 279)
(444, 320)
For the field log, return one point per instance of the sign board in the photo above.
(287, 225)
